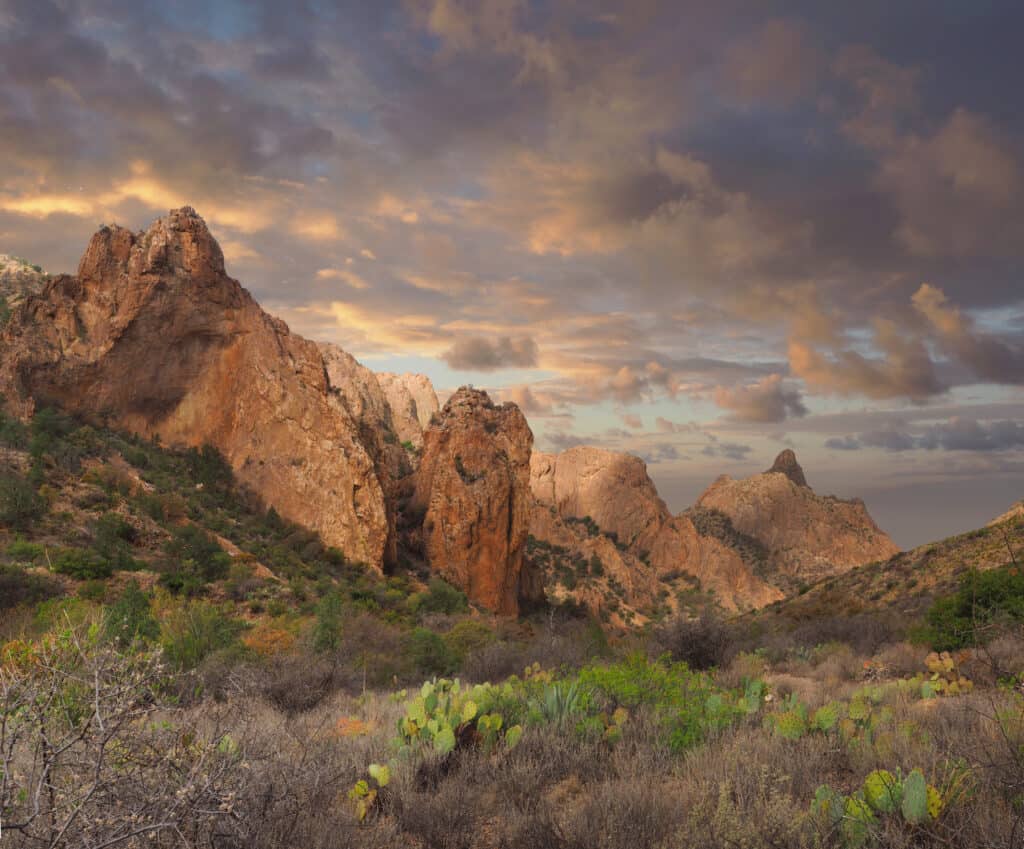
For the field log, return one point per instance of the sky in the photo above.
(698, 232)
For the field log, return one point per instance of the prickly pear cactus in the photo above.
(443, 711)
(915, 798)
(946, 679)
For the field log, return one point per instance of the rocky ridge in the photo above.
(655, 553)
(413, 403)
(473, 492)
(153, 336)
(806, 536)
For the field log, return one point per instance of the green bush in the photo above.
(195, 560)
(688, 704)
(983, 600)
(129, 618)
(114, 537)
(327, 630)
(467, 637)
(25, 552)
(195, 630)
(20, 503)
(12, 432)
(440, 597)
(18, 586)
(82, 563)
(428, 653)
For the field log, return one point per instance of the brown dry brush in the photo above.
(90, 760)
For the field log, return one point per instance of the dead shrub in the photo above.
(700, 643)
(902, 659)
(622, 815)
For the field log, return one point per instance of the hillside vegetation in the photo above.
(180, 667)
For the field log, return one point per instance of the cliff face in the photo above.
(153, 336)
(805, 536)
(473, 490)
(357, 390)
(613, 490)
(413, 403)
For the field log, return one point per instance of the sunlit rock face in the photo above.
(154, 337)
(613, 489)
(473, 491)
(806, 536)
(413, 403)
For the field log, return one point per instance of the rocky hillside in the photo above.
(154, 337)
(18, 279)
(804, 536)
(909, 581)
(744, 544)
(657, 556)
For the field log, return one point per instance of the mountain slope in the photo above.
(805, 536)
(153, 336)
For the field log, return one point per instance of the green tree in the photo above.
(327, 630)
(20, 504)
(130, 618)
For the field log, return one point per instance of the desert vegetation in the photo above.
(180, 667)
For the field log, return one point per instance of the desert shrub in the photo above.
(130, 618)
(93, 749)
(20, 503)
(493, 662)
(467, 637)
(195, 560)
(902, 658)
(428, 653)
(24, 551)
(699, 643)
(82, 563)
(194, 629)
(19, 586)
(623, 814)
(327, 630)
(295, 683)
(974, 613)
(440, 597)
(443, 817)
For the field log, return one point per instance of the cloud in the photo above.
(989, 358)
(844, 443)
(959, 433)
(904, 369)
(663, 452)
(476, 353)
(726, 450)
(777, 62)
(768, 400)
(632, 422)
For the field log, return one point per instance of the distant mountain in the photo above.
(805, 536)
(908, 581)
(744, 544)
(18, 279)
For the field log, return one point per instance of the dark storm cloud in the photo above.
(479, 354)
(957, 434)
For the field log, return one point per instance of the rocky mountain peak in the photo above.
(473, 490)
(787, 464)
(178, 244)
(154, 337)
